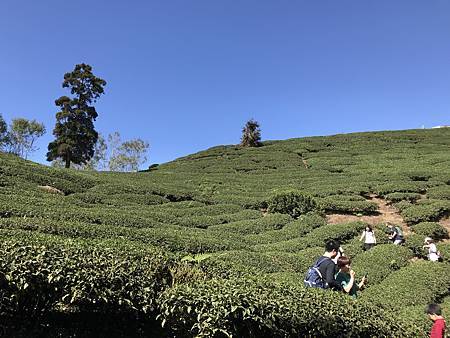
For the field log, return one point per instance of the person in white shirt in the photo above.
(369, 238)
(433, 254)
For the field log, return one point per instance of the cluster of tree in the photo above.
(20, 136)
(112, 154)
(77, 143)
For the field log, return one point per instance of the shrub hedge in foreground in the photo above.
(41, 275)
(255, 308)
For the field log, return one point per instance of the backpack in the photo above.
(313, 278)
(399, 231)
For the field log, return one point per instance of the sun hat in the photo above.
(427, 239)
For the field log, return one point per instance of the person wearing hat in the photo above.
(433, 254)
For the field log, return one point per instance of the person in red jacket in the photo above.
(435, 313)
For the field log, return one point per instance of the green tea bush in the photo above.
(341, 206)
(255, 226)
(403, 205)
(415, 243)
(293, 203)
(425, 212)
(418, 283)
(299, 227)
(400, 186)
(317, 237)
(207, 221)
(380, 261)
(40, 277)
(441, 192)
(416, 314)
(254, 308)
(430, 229)
(444, 249)
(266, 262)
(396, 197)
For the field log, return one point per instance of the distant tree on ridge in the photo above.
(251, 134)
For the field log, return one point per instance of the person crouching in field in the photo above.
(346, 277)
(434, 312)
(433, 254)
(395, 234)
(369, 238)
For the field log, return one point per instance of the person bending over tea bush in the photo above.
(369, 238)
(322, 273)
(433, 253)
(434, 312)
(395, 234)
(346, 277)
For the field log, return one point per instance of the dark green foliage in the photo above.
(430, 229)
(293, 203)
(74, 130)
(44, 274)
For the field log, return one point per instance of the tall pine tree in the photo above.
(75, 136)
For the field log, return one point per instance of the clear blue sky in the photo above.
(187, 74)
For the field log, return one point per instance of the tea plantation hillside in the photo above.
(217, 243)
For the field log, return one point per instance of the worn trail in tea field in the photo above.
(386, 213)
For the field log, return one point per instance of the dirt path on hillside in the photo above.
(386, 213)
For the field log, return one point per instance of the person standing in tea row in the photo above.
(369, 238)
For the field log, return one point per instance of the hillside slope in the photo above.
(204, 216)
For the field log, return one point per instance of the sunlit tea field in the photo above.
(214, 244)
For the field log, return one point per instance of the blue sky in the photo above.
(186, 75)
